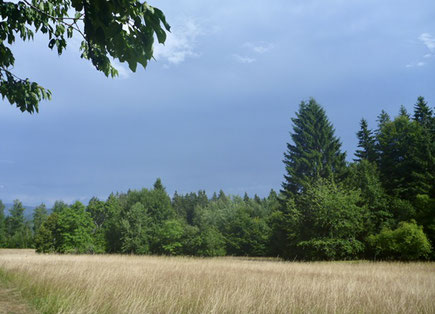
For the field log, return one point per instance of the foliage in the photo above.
(47, 239)
(381, 207)
(285, 223)
(123, 30)
(364, 175)
(67, 231)
(168, 238)
(332, 221)
(18, 230)
(2, 225)
(407, 243)
(406, 158)
(134, 231)
(184, 205)
(97, 211)
(366, 143)
(112, 227)
(315, 152)
(425, 216)
(40, 215)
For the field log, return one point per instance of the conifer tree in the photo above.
(406, 162)
(113, 228)
(366, 141)
(383, 118)
(214, 197)
(16, 219)
(425, 118)
(403, 112)
(158, 185)
(2, 225)
(40, 215)
(423, 114)
(315, 151)
(222, 197)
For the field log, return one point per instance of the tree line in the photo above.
(381, 206)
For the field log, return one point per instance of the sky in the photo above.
(213, 111)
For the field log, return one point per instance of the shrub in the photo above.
(407, 243)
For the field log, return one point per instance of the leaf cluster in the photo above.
(124, 30)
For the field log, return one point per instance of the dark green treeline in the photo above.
(381, 206)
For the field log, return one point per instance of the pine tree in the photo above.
(406, 162)
(16, 219)
(257, 199)
(214, 197)
(158, 185)
(58, 207)
(40, 215)
(425, 118)
(383, 118)
(423, 114)
(2, 225)
(403, 112)
(367, 143)
(222, 197)
(18, 230)
(315, 152)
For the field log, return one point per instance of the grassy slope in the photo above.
(131, 284)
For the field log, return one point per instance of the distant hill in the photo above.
(28, 210)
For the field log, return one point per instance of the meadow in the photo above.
(153, 284)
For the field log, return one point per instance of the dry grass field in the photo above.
(146, 284)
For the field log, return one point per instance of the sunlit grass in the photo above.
(138, 284)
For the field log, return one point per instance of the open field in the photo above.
(139, 284)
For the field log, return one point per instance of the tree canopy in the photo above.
(315, 152)
(124, 30)
(380, 206)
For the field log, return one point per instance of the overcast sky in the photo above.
(213, 111)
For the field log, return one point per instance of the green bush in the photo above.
(407, 243)
(66, 231)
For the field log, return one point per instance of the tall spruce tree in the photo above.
(16, 220)
(425, 118)
(18, 229)
(2, 225)
(367, 143)
(40, 215)
(423, 114)
(383, 118)
(406, 160)
(315, 152)
(403, 112)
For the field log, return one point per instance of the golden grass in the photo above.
(148, 284)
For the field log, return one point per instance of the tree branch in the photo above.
(73, 25)
(60, 19)
(12, 74)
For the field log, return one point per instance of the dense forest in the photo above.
(381, 206)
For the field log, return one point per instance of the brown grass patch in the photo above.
(148, 284)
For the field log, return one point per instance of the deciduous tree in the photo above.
(122, 30)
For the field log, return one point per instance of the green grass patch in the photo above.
(39, 296)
